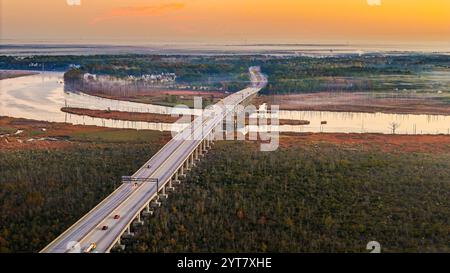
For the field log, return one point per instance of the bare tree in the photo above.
(393, 126)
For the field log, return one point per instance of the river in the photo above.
(41, 97)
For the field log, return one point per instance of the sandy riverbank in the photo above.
(9, 74)
(16, 133)
(119, 115)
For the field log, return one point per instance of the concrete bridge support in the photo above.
(119, 245)
(147, 211)
(163, 194)
(156, 202)
(212, 137)
(191, 157)
(128, 234)
(138, 221)
(182, 170)
(196, 154)
(186, 163)
(170, 187)
(201, 148)
(175, 177)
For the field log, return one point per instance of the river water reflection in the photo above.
(42, 96)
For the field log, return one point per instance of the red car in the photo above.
(117, 216)
(104, 227)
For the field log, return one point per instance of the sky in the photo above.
(225, 21)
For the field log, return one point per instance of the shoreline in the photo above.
(120, 115)
(337, 108)
(21, 133)
(154, 97)
(150, 117)
(11, 74)
(49, 135)
(358, 102)
(365, 110)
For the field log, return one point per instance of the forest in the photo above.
(289, 74)
(321, 198)
(229, 74)
(44, 191)
(302, 198)
(365, 73)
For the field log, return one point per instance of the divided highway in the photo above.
(102, 228)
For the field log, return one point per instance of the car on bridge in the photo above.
(91, 248)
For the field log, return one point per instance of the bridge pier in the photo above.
(191, 157)
(156, 203)
(176, 180)
(119, 245)
(170, 186)
(212, 136)
(187, 165)
(205, 148)
(182, 170)
(196, 154)
(164, 195)
(128, 233)
(147, 211)
(138, 221)
(200, 147)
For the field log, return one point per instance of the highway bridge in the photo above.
(105, 226)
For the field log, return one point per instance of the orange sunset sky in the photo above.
(271, 21)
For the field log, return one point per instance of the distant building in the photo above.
(76, 66)
(89, 77)
(156, 78)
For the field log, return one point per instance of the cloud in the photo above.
(137, 11)
(374, 2)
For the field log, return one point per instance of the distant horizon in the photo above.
(140, 22)
(342, 42)
(18, 47)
